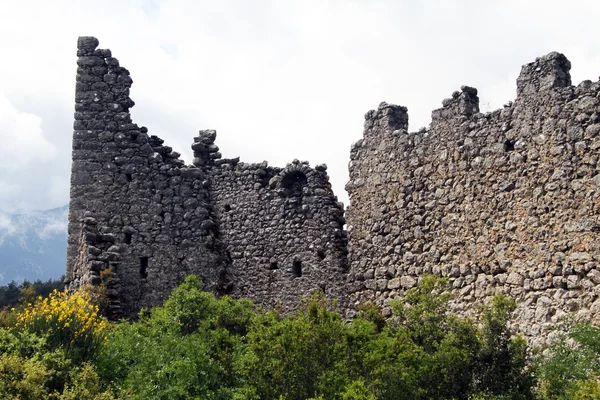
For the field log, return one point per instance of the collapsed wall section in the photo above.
(135, 208)
(503, 202)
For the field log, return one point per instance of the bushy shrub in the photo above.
(424, 350)
(85, 385)
(198, 346)
(297, 357)
(186, 349)
(573, 363)
(68, 321)
(22, 378)
(503, 364)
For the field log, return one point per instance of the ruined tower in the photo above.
(271, 234)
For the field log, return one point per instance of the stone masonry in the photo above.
(270, 234)
(502, 202)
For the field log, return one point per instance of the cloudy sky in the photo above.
(278, 80)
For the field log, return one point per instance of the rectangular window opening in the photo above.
(143, 267)
(297, 268)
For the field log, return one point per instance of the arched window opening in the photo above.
(293, 183)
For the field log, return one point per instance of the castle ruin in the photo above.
(501, 202)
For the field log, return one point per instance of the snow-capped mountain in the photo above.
(33, 245)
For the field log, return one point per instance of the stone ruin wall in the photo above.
(503, 202)
(271, 234)
(282, 231)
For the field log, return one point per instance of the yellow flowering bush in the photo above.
(67, 320)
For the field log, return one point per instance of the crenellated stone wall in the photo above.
(502, 202)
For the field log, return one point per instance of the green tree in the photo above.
(573, 362)
(186, 349)
(429, 352)
(300, 356)
(503, 364)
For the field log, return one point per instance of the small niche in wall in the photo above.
(321, 254)
(226, 208)
(128, 238)
(143, 267)
(273, 266)
(297, 268)
(509, 145)
(129, 177)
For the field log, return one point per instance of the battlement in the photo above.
(545, 73)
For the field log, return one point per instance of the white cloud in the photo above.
(53, 227)
(22, 138)
(278, 80)
(7, 228)
(8, 190)
(21, 227)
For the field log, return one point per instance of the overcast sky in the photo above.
(278, 80)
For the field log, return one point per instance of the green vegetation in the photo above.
(199, 347)
(571, 372)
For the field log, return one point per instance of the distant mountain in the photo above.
(33, 245)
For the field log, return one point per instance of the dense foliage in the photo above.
(199, 347)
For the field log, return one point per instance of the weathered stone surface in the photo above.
(501, 202)
(136, 208)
